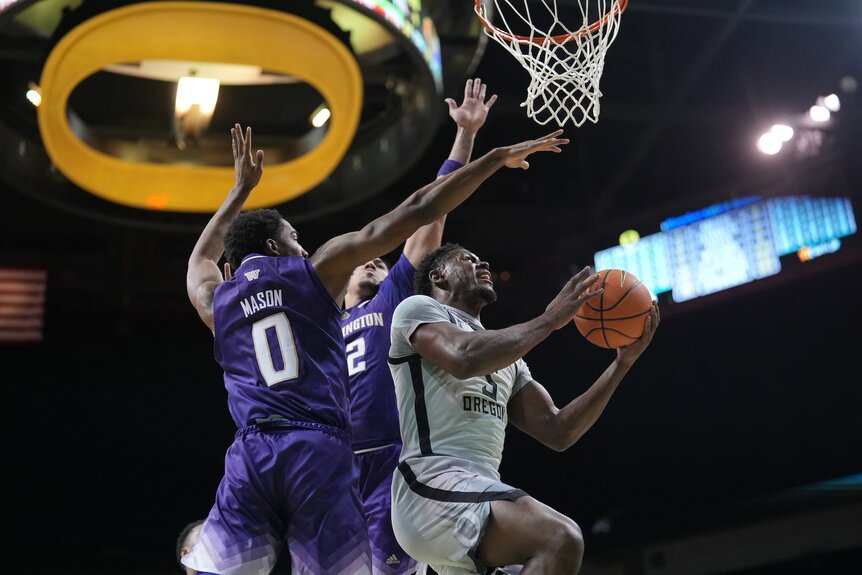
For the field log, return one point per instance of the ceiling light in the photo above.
(320, 116)
(819, 113)
(782, 131)
(832, 102)
(769, 143)
(194, 107)
(193, 91)
(136, 33)
(34, 96)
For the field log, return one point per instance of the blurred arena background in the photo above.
(734, 445)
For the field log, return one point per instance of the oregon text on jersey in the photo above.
(483, 405)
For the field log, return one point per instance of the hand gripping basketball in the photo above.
(617, 317)
(574, 294)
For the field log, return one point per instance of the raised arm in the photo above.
(335, 260)
(203, 274)
(533, 411)
(469, 117)
(467, 354)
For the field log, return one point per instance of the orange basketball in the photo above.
(616, 317)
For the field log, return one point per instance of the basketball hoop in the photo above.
(565, 65)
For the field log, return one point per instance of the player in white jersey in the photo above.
(458, 385)
(372, 294)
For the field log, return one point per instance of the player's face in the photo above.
(468, 276)
(367, 277)
(288, 241)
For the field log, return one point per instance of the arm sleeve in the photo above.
(522, 377)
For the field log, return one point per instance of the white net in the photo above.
(565, 63)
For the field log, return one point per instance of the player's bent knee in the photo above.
(566, 544)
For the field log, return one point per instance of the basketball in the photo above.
(616, 317)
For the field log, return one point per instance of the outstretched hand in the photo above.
(573, 295)
(630, 353)
(515, 156)
(473, 111)
(248, 169)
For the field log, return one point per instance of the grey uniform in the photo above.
(453, 433)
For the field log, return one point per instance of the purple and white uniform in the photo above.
(289, 474)
(374, 412)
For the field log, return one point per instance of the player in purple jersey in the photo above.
(289, 474)
(372, 295)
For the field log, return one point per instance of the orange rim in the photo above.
(619, 8)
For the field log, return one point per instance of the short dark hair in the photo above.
(248, 234)
(184, 534)
(421, 282)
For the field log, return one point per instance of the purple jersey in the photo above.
(365, 326)
(277, 337)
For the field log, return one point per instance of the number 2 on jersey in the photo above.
(355, 352)
(286, 346)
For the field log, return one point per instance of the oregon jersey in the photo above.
(442, 417)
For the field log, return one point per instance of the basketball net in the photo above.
(565, 64)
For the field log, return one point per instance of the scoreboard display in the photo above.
(721, 252)
(724, 246)
(647, 259)
(804, 222)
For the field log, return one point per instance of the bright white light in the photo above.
(321, 116)
(819, 113)
(769, 144)
(201, 91)
(782, 131)
(832, 102)
(34, 96)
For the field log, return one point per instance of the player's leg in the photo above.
(242, 534)
(327, 533)
(375, 487)
(439, 518)
(528, 532)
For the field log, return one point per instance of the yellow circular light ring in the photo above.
(205, 32)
